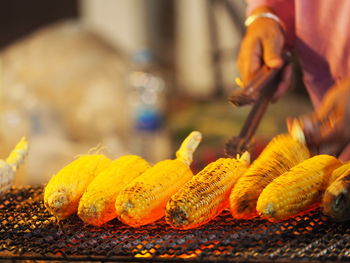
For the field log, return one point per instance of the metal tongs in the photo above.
(260, 92)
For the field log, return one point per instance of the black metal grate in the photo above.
(27, 231)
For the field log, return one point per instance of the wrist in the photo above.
(260, 9)
(264, 13)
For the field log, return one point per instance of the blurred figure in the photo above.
(63, 87)
(67, 86)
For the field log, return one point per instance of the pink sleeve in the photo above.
(284, 9)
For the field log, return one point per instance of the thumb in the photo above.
(272, 53)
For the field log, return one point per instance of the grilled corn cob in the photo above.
(336, 200)
(206, 194)
(339, 172)
(298, 190)
(143, 200)
(282, 153)
(9, 166)
(97, 204)
(64, 190)
(18, 154)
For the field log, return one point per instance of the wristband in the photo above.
(252, 18)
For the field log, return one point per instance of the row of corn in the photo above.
(283, 182)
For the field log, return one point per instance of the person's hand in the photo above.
(263, 44)
(327, 130)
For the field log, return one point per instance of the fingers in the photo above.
(262, 44)
(323, 130)
(272, 53)
(285, 83)
(319, 137)
(327, 128)
(311, 129)
(249, 60)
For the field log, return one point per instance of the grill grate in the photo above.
(27, 231)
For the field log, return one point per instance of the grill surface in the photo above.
(27, 231)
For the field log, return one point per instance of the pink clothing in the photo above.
(319, 32)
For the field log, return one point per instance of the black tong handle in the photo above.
(259, 91)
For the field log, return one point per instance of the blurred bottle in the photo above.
(147, 97)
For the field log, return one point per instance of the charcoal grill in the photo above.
(29, 232)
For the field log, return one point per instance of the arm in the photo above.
(327, 130)
(284, 9)
(265, 39)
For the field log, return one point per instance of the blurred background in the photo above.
(134, 77)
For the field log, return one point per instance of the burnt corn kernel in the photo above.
(282, 153)
(206, 194)
(336, 199)
(298, 190)
(143, 200)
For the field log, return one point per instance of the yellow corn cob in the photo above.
(339, 172)
(8, 168)
(143, 200)
(206, 194)
(6, 176)
(282, 153)
(336, 199)
(64, 190)
(18, 154)
(298, 190)
(97, 204)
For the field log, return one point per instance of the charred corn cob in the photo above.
(64, 190)
(97, 204)
(206, 194)
(336, 200)
(298, 190)
(8, 168)
(282, 153)
(143, 200)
